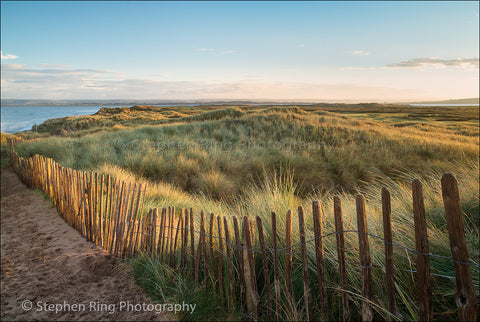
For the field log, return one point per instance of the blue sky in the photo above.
(347, 51)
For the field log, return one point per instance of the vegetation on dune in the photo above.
(249, 161)
(4, 158)
(278, 193)
(220, 152)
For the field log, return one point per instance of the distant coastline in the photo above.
(461, 101)
(131, 102)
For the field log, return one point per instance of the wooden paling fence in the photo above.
(223, 253)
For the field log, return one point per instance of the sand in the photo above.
(45, 261)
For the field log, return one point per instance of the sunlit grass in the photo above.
(252, 161)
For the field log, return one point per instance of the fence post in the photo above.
(228, 246)
(95, 209)
(266, 273)
(128, 224)
(211, 249)
(133, 221)
(170, 248)
(365, 261)
(307, 292)
(249, 267)
(168, 224)
(465, 296)
(200, 247)
(192, 238)
(153, 232)
(220, 259)
(174, 252)
(424, 288)
(320, 260)
(337, 211)
(161, 235)
(184, 238)
(276, 281)
(387, 235)
(100, 210)
(288, 259)
(240, 261)
(112, 190)
(123, 219)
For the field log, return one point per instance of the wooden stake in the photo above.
(424, 288)
(387, 235)
(240, 262)
(307, 292)
(249, 270)
(276, 280)
(211, 248)
(228, 246)
(171, 225)
(192, 238)
(320, 260)
(288, 259)
(365, 261)
(200, 246)
(184, 237)
(174, 251)
(220, 259)
(164, 232)
(465, 295)
(266, 273)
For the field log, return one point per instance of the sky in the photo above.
(324, 51)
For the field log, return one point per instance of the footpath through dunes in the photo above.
(44, 261)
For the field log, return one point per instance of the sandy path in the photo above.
(44, 260)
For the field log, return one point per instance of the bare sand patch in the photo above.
(44, 260)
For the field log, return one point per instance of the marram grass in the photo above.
(252, 161)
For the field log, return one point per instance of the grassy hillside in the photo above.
(251, 160)
(222, 151)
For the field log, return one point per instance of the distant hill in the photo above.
(452, 101)
(123, 102)
(131, 102)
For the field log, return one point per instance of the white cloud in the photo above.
(12, 66)
(360, 53)
(438, 63)
(7, 56)
(468, 64)
(21, 82)
(301, 45)
(205, 49)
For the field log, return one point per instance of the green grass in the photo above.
(277, 194)
(4, 158)
(251, 160)
(220, 152)
(166, 285)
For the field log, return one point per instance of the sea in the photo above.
(22, 118)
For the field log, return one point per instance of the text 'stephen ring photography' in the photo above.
(241, 161)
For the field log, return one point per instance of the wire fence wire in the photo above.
(234, 245)
(270, 250)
